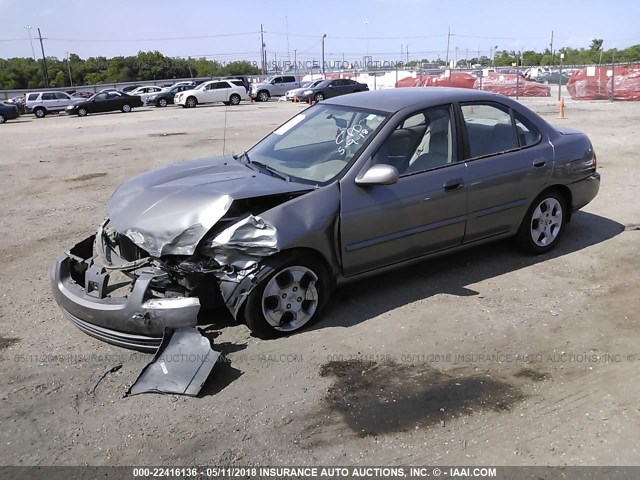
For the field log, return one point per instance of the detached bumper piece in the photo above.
(181, 365)
(138, 321)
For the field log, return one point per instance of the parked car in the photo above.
(166, 97)
(44, 103)
(8, 111)
(273, 87)
(19, 102)
(350, 186)
(292, 94)
(130, 88)
(553, 78)
(84, 95)
(105, 102)
(332, 88)
(224, 91)
(147, 91)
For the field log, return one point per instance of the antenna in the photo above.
(224, 132)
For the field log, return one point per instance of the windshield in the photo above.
(317, 145)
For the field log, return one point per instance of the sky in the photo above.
(230, 30)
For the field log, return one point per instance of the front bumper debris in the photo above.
(82, 289)
(181, 365)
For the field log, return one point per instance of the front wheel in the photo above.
(543, 224)
(82, 112)
(263, 96)
(2, 119)
(126, 108)
(318, 97)
(289, 299)
(39, 112)
(191, 102)
(162, 102)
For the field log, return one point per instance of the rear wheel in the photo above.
(544, 223)
(234, 99)
(40, 112)
(289, 299)
(191, 102)
(2, 119)
(126, 108)
(162, 102)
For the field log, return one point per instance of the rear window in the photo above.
(288, 79)
(237, 83)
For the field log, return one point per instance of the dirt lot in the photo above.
(486, 357)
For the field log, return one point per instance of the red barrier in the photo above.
(511, 86)
(456, 79)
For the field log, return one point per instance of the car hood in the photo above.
(169, 210)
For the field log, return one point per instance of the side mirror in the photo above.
(380, 174)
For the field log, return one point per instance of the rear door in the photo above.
(508, 164)
(423, 212)
(50, 101)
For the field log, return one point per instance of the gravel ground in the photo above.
(485, 357)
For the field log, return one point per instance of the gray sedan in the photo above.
(346, 188)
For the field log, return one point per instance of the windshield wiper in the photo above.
(271, 170)
(266, 167)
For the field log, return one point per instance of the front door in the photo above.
(423, 212)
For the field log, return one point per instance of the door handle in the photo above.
(454, 184)
(539, 163)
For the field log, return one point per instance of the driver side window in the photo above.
(422, 141)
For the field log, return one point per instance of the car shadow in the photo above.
(451, 274)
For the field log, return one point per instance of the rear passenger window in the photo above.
(527, 134)
(48, 96)
(489, 130)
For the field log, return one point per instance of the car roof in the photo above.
(395, 99)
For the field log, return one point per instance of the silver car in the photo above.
(45, 103)
(346, 188)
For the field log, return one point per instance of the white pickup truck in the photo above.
(273, 87)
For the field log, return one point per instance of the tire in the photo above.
(290, 277)
(318, 97)
(234, 99)
(544, 223)
(191, 102)
(82, 112)
(40, 112)
(126, 108)
(263, 96)
(2, 119)
(162, 102)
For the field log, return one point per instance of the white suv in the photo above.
(43, 103)
(229, 92)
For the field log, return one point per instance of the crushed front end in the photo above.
(113, 290)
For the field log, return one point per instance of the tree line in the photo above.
(27, 73)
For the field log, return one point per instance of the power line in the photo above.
(161, 39)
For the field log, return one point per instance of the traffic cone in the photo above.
(310, 102)
(561, 108)
(295, 99)
(250, 99)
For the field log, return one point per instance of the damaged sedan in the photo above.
(346, 188)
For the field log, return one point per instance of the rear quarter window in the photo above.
(33, 97)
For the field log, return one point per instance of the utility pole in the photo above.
(448, 39)
(45, 70)
(295, 61)
(262, 52)
(324, 76)
(407, 49)
(33, 52)
(466, 58)
(69, 68)
(551, 49)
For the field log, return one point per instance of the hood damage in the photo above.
(177, 242)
